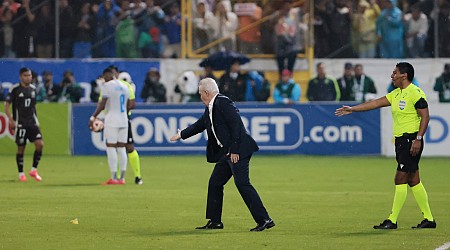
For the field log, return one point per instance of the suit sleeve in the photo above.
(233, 119)
(195, 128)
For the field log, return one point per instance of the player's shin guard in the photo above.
(422, 200)
(111, 152)
(401, 191)
(135, 163)
(122, 152)
(19, 161)
(36, 158)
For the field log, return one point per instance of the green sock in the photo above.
(422, 200)
(399, 199)
(135, 163)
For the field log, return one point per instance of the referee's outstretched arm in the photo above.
(377, 103)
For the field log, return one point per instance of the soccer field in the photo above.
(316, 202)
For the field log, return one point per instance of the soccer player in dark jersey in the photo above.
(22, 98)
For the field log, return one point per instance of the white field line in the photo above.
(444, 247)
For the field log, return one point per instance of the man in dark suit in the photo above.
(230, 147)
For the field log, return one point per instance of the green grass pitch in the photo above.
(316, 202)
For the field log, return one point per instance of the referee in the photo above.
(410, 115)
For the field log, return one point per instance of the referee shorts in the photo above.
(405, 161)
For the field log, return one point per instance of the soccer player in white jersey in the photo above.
(116, 102)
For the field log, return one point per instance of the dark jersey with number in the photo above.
(23, 101)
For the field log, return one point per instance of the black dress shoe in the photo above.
(426, 224)
(212, 225)
(386, 224)
(264, 225)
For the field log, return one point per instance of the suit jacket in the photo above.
(229, 130)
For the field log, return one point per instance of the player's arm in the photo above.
(423, 112)
(132, 97)
(12, 123)
(130, 105)
(100, 107)
(374, 104)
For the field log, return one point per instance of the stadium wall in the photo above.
(54, 124)
(86, 70)
(437, 138)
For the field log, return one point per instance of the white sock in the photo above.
(33, 169)
(111, 152)
(21, 173)
(123, 159)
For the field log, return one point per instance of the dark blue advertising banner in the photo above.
(278, 129)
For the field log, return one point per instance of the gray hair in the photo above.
(209, 85)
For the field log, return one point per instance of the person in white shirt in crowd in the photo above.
(416, 24)
(225, 24)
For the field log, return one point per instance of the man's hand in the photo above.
(345, 110)
(12, 124)
(177, 136)
(415, 147)
(234, 158)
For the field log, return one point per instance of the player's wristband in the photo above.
(419, 138)
(92, 118)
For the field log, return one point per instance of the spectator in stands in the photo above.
(322, 32)
(149, 41)
(202, 26)
(416, 24)
(85, 32)
(346, 83)
(363, 87)
(390, 30)
(125, 35)
(153, 91)
(268, 30)
(233, 83)
(172, 32)
(6, 36)
(67, 28)
(208, 73)
(258, 88)
(47, 92)
(442, 84)
(286, 91)
(363, 32)
(248, 12)
(45, 35)
(96, 88)
(288, 40)
(444, 30)
(225, 25)
(106, 25)
(323, 87)
(69, 90)
(340, 30)
(23, 34)
(9, 5)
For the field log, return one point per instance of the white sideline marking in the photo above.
(444, 247)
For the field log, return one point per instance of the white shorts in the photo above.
(114, 135)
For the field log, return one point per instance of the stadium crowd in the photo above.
(152, 28)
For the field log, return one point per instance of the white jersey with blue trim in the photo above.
(117, 95)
